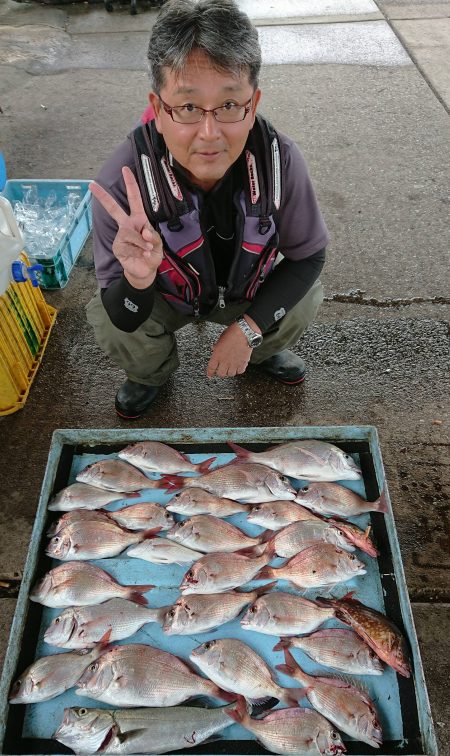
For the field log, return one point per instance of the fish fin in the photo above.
(381, 504)
(349, 596)
(282, 644)
(264, 574)
(104, 640)
(204, 466)
(239, 450)
(261, 704)
(172, 482)
(150, 533)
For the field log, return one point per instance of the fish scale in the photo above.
(234, 666)
(209, 534)
(245, 481)
(346, 706)
(166, 729)
(86, 539)
(309, 459)
(380, 633)
(279, 613)
(340, 649)
(141, 675)
(84, 626)
(319, 565)
(215, 573)
(299, 731)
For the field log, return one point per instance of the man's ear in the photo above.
(156, 105)
(255, 101)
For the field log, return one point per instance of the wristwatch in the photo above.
(254, 339)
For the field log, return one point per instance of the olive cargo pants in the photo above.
(149, 354)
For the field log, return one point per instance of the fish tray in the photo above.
(402, 703)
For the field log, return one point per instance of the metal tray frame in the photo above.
(63, 438)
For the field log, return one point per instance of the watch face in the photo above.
(256, 340)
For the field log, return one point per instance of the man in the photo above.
(192, 209)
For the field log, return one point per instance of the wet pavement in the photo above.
(374, 130)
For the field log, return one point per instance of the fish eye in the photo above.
(177, 495)
(352, 557)
(305, 488)
(93, 667)
(82, 712)
(172, 613)
(57, 621)
(252, 609)
(168, 516)
(257, 509)
(334, 735)
(208, 645)
(190, 574)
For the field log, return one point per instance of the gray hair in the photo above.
(216, 27)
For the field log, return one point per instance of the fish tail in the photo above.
(294, 695)
(265, 573)
(381, 504)
(172, 482)
(138, 598)
(135, 593)
(264, 588)
(282, 644)
(253, 551)
(204, 466)
(239, 450)
(224, 694)
(240, 713)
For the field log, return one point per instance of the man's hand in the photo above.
(137, 246)
(231, 353)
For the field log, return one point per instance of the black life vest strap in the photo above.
(162, 195)
(262, 154)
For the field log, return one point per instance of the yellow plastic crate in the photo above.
(25, 324)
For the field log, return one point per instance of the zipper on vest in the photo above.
(221, 297)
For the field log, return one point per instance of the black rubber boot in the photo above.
(133, 399)
(285, 366)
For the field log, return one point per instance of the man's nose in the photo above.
(209, 127)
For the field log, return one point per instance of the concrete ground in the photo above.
(364, 88)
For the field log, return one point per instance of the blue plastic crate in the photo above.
(58, 264)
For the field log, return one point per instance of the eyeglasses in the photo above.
(231, 112)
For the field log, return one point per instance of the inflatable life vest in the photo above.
(186, 276)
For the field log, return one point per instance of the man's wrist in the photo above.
(254, 326)
(254, 338)
(140, 283)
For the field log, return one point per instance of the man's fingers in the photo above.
(127, 236)
(108, 203)
(133, 192)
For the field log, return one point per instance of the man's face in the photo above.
(208, 148)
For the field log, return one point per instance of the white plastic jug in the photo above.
(11, 242)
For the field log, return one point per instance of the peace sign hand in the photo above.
(137, 246)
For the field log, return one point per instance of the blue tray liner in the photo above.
(41, 720)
